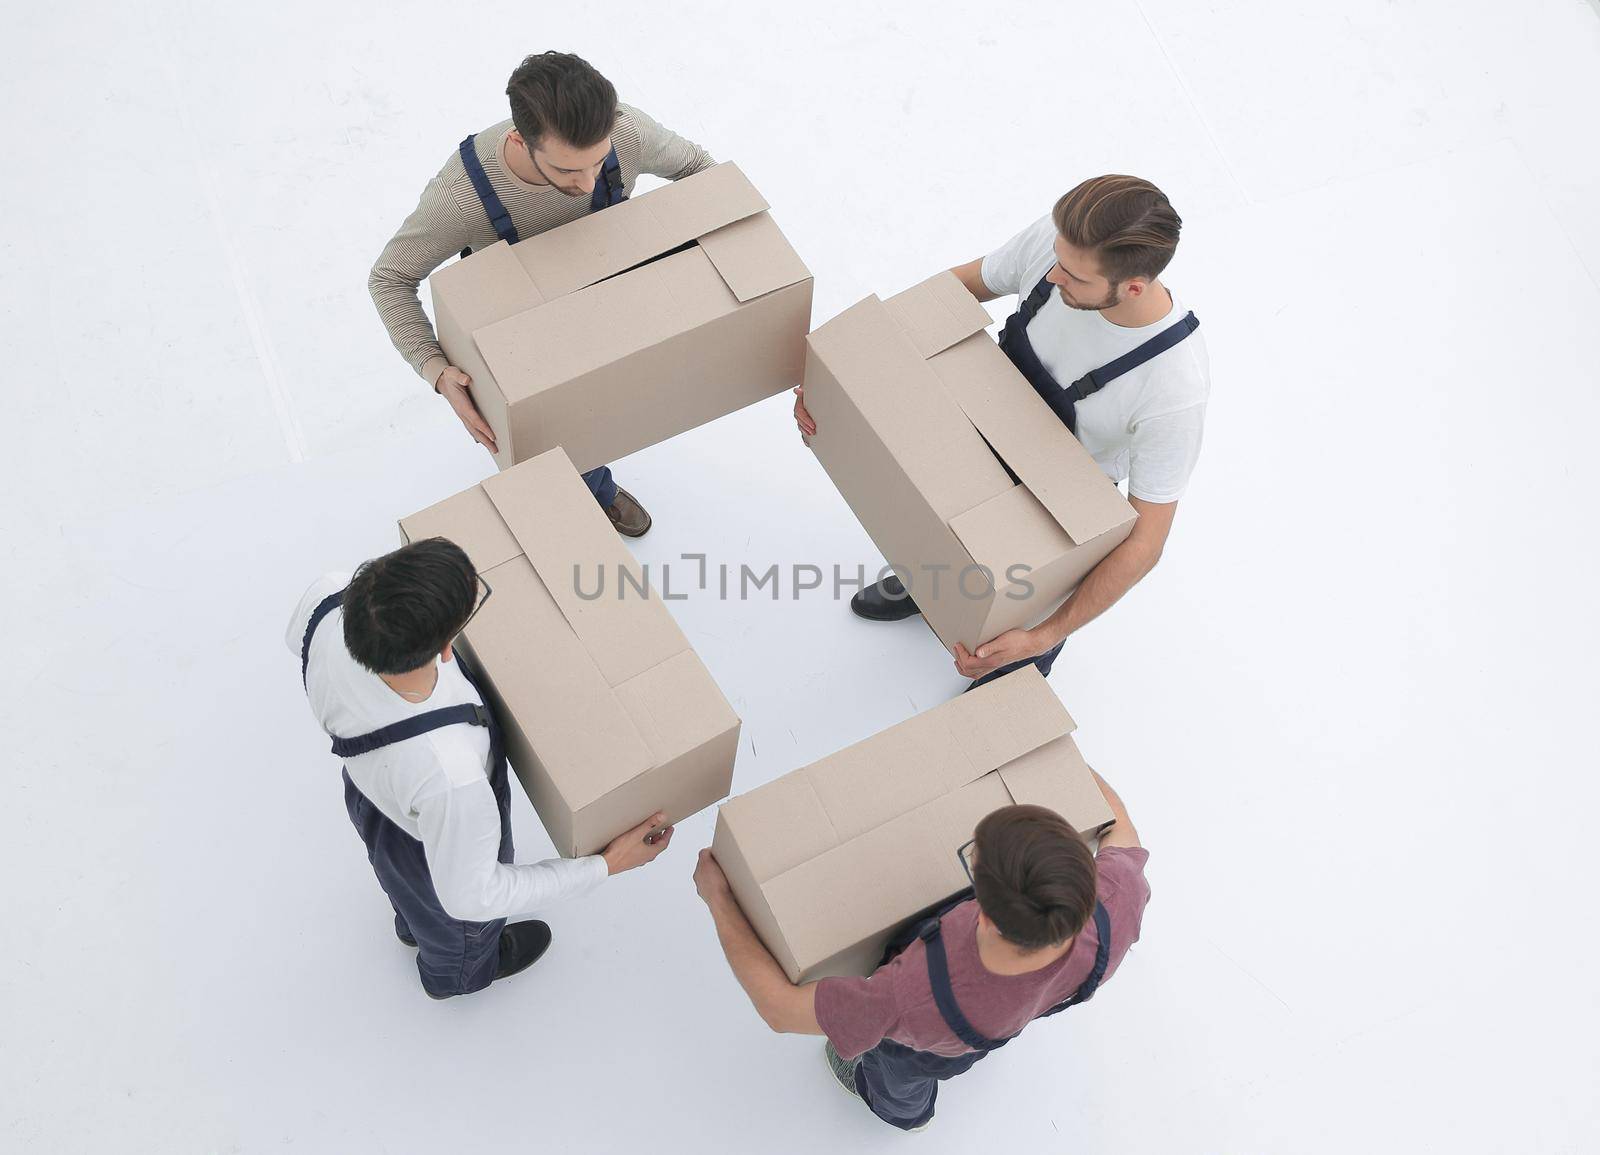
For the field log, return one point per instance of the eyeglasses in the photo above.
(964, 853)
(483, 601)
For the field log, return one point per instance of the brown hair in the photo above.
(1128, 223)
(1033, 875)
(562, 94)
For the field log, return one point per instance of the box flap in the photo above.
(471, 521)
(1008, 530)
(676, 706)
(602, 323)
(870, 883)
(938, 313)
(753, 257)
(698, 204)
(557, 696)
(1004, 719)
(568, 540)
(485, 287)
(779, 825)
(916, 418)
(890, 773)
(933, 753)
(603, 244)
(1031, 439)
(1056, 776)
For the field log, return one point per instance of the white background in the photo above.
(1350, 711)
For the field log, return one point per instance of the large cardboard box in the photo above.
(608, 714)
(631, 324)
(827, 861)
(919, 414)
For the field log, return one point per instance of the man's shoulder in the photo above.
(1179, 377)
(1034, 243)
(1119, 872)
(452, 186)
(631, 128)
(458, 758)
(328, 583)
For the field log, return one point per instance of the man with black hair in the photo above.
(424, 766)
(1044, 924)
(569, 149)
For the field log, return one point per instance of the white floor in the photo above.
(1351, 711)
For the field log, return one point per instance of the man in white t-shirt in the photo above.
(1117, 357)
(425, 770)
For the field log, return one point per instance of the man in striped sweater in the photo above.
(569, 148)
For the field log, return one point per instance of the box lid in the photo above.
(615, 692)
(894, 772)
(894, 808)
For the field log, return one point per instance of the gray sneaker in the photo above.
(843, 1073)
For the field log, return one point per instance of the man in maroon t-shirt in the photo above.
(1048, 924)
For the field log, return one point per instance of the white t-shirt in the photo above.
(1146, 425)
(435, 786)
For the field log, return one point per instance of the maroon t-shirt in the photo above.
(897, 1003)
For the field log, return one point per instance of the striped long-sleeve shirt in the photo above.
(449, 217)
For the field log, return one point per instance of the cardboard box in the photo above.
(631, 324)
(919, 414)
(608, 714)
(827, 861)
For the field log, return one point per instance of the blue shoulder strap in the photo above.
(608, 188)
(324, 607)
(1098, 379)
(1035, 300)
(944, 996)
(470, 713)
(498, 217)
(1102, 957)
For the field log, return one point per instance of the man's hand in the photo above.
(638, 846)
(709, 881)
(455, 387)
(1011, 646)
(802, 416)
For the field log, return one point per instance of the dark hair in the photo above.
(561, 94)
(1033, 875)
(401, 609)
(1128, 223)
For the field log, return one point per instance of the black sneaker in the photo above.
(404, 937)
(521, 945)
(885, 601)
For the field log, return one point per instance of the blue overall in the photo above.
(1063, 402)
(608, 191)
(901, 1085)
(454, 957)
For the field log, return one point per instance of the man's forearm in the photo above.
(1118, 572)
(782, 1005)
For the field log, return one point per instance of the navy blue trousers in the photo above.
(601, 485)
(901, 1085)
(453, 957)
(1044, 661)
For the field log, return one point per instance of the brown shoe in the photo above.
(628, 515)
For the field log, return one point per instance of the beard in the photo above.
(1112, 300)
